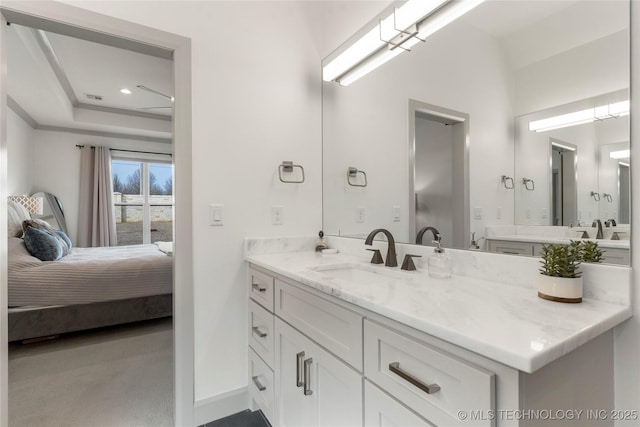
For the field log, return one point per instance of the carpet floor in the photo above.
(111, 377)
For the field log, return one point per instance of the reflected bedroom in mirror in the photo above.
(504, 130)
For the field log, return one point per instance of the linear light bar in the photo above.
(444, 18)
(602, 112)
(622, 154)
(393, 35)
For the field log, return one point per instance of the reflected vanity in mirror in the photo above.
(497, 68)
(52, 212)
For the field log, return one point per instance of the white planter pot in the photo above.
(561, 289)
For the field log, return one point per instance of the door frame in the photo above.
(96, 26)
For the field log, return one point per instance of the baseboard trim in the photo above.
(220, 406)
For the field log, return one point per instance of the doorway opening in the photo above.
(564, 183)
(83, 24)
(439, 172)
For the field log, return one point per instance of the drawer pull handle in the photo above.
(299, 359)
(427, 388)
(307, 377)
(257, 287)
(258, 384)
(259, 332)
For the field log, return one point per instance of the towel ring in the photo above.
(352, 173)
(507, 181)
(288, 166)
(526, 182)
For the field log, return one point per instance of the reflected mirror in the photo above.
(498, 66)
(52, 211)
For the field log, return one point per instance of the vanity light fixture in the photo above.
(407, 25)
(622, 154)
(603, 112)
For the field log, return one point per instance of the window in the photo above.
(143, 200)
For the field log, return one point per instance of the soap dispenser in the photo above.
(439, 263)
(320, 244)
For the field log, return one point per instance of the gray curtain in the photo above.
(97, 223)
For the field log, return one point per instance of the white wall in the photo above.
(593, 69)
(256, 102)
(366, 126)
(20, 149)
(56, 170)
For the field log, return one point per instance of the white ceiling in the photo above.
(55, 96)
(532, 30)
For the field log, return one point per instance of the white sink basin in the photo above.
(359, 273)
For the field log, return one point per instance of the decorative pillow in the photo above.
(42, 245)
(16, 214)
(66, 238)
(44, 225)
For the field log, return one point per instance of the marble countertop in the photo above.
(506, 323)
(532, 238)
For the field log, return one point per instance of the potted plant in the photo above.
(589, 251)
(560, 278)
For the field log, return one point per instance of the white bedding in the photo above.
(87, 275)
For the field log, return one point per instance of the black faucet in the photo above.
(610, 222)
(598, 223)
(436, 234)
(392, 259)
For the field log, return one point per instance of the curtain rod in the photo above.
(129, 151)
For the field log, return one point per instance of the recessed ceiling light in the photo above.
(125, 91)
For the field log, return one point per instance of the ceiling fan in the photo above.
(148, 89)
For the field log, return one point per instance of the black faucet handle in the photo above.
(408, 264)
(377, 256)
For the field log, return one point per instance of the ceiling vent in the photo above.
(94, 97)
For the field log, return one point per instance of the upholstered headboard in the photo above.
(17, 214)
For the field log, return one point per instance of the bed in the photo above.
(88, 288)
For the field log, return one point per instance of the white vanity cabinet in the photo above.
(316, 360)
(514, 248)
(313, 387)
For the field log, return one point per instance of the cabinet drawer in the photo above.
(261, 384)
(616, 256)
(381, 410)
(337, 329)
(261, 337)
(405, 367)
(261, 288)
(515, 248)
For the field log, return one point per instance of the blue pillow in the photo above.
(42, 245)
(66, 239)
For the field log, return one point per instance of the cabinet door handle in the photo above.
(259, 332)
(258, 384)
(307, 377)
(257, 287)
(427, 388)
(299, 358)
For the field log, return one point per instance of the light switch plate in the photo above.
(276, 215)
(215, 214)
(477, 213)
(360, 214)
(499, 212)
(396, 214)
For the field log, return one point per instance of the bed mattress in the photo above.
(87, 275)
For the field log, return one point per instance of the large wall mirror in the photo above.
(440, 136)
